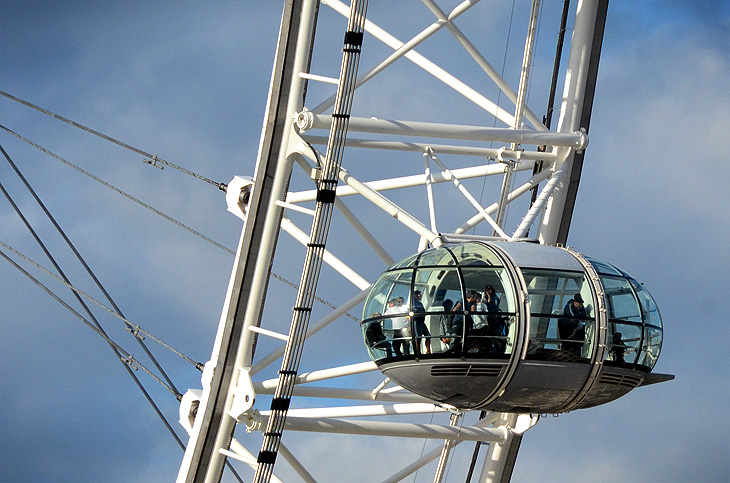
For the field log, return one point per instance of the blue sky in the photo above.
(188, 81)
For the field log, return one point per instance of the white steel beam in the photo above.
(240, 453)
(429, 192)
(288, 226)
(574, 112)
(366, 411)
(313, 329)
(482, 62)
(519, 106)
(307, 120)
(439, 148)
(325, 374)
(347, 393)
(470, 198)
(448, 444)
(429, 66)
(294, 463)
(409, 181)
(233, 349)
(539, 203)
(401, 51)
(401, 430)
(364, 233)
(387, 206)
(416, 465)
(514, 194)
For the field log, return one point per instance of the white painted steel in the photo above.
(326, 374)
(514, 194)
(430, 67)
(439, 148)
(571, 108)
(294, 463)
(429, 192)
(328, 258)
(398, 430)
(409, 181)
(351, 394)
(445, 451)
(210, 469)
(519, 107)
(579, 140)
(365, 411)
(422, 214)
(387, 206)
(313, 329)
(270, 333)
(240, 452)
(486, 66)
(415, 466)
(469, 197)
(364, 233)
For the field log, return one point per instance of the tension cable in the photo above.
(128, 359)
(153, 159)
(133, 328)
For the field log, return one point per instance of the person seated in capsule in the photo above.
(573, 329)
(375, 337)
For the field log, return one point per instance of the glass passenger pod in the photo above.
(511, 326)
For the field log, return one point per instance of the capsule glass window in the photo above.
(440, 290)
(562, 315)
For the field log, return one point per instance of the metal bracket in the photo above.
(153, 162)
(243, 396)
(238, 195)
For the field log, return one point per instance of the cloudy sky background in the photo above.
(188, 82)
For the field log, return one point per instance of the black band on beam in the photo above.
(353, 38)
(266, 457)
(326, 196)
(280, 404)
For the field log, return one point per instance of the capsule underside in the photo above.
(557, 332)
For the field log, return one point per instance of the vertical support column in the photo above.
(234, 345)
(326, 196)
(448, 444)
(500, 459)
(519, 109)
(585, 51)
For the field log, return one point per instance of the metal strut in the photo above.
(519, 109)
(326, 196)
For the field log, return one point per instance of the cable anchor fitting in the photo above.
(135, 331)
(153, 162)
(130, 362)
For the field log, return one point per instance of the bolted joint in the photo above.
(252, 420)
(582, 141)
(305, 120)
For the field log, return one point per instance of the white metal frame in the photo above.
(238, 394)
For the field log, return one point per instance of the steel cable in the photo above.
(135, 329)
(153, 158)
(157, 212)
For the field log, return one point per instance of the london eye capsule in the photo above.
(512, 327)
